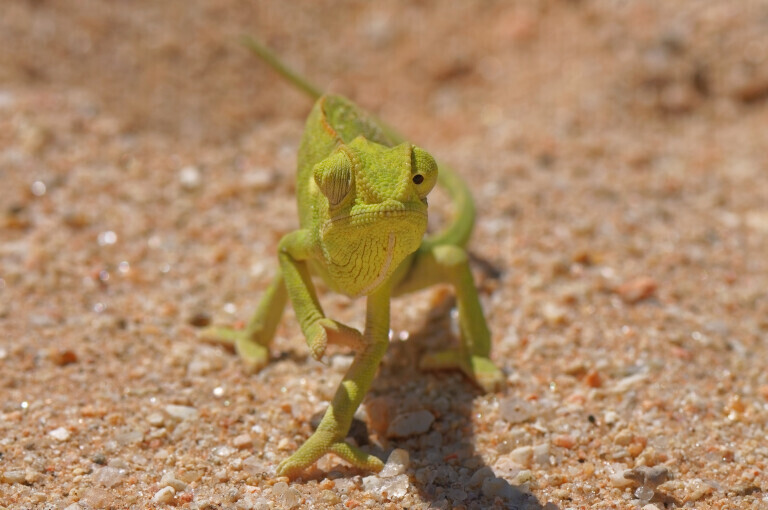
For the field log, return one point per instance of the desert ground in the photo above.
(618, 154)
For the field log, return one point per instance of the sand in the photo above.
(617, 152)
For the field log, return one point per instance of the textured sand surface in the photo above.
(618, 152)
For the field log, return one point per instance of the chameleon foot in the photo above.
(479, 369)
(317, 446)
(255, 355)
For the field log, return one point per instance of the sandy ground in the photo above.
(618, 154)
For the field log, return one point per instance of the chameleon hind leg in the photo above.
(450, 264)
(252, 343)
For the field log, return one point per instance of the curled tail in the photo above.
(460, 229)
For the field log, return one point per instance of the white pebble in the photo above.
(395, 487)
(397, 463)
(189, 177)
(522, 455)
(60, 434)
(181, 412)
(156, 419)
(107, 476)
(14, 476)
(164, 495)
(410, 424)
(169, 480)
(516, 410)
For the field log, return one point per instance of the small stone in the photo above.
(554, 314)
(541, 454)
(637, 289)
(410, 424)
(494, 487)
(164, 495)
(623, 438)
(397, 463)
(62, 357)
(480, 475)
(522, 455)
(107, 476)
(395, 487)
(286, 495)
(223, 451)
(242, 441)
(516, 410)
(190, 178)
(652, 477)
(169, 480)
(616, 476)
(253, 465)
(156, 419)
(181, 412)
(593, 379)
(14, 476)
(74, 506)
(564, 441)
(650, 506)
(60, 434)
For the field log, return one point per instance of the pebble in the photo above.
(74, 506)
(637, 289)
(108, 476)
(60, 434)
(479, 476)
(516, 410)
(190, 178)
(156, 419)
(288, 496)
(164, 495)
(410, 424)
(242, 441)
(169, 480)
(14, 476)
(522, 455)
(648, 476)
(395, 487)
(397, 463)
(494, 487)
(181, 412)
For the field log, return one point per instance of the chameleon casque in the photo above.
(362, 199)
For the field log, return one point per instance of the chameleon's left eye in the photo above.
(424, 171)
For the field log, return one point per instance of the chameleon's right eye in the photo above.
(423, 171)
(333, 177)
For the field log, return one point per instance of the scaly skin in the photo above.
(362, 198)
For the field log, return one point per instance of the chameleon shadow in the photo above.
(444, 466)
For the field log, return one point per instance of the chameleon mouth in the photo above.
(376, 213)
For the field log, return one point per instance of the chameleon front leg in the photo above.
(252, 343)
(450, 264)
(294, 251)
(330, 434)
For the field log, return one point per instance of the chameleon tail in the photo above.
(459, 230)
(283, 70)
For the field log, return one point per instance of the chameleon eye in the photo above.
(333, 176)
(424, 171)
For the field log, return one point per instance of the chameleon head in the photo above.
(371, 203)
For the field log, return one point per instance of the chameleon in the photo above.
(362, 202)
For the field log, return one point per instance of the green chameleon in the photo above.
(362, 197)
